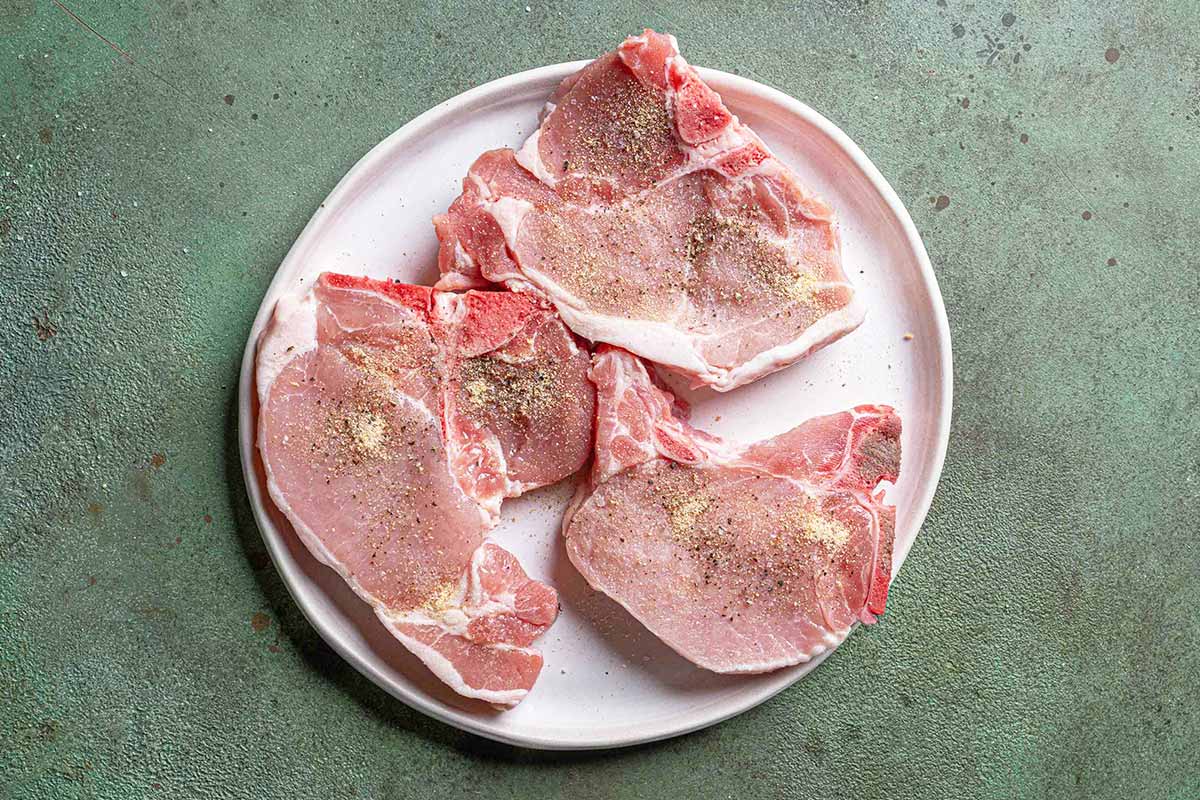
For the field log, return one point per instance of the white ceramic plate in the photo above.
(607, 682)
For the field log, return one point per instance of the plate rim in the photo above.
(247, 399)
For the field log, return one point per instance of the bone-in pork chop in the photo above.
(743, 558)
(393, 419)
(654, 220)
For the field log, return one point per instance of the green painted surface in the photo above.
(1043, 639)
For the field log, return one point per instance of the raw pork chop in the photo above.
(653, 219)
(393, 420)
(743, 558)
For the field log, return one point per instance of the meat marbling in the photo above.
(653, 219)
(743, 558)
(393, 420)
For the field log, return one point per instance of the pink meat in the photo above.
(743, 558)
(393, 420)
(517, 396)
(654, 220)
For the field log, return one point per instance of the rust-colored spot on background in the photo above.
(260, 622)
(157, 460)
(228, 99)
(44, 327)
(46, 136)
(95, 509)
(1087, 215)
(1111, 55)
(941, 203)
(208, 519)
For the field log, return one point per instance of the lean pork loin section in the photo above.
(742, 557)
(653, 219)
(393, 419)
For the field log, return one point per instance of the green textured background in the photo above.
(1044, 638)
